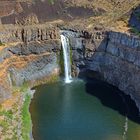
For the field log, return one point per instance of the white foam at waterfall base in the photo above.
(66, 56)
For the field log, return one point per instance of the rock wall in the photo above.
(114, 56)
(41, 61)
(11, 33)
(27, 55)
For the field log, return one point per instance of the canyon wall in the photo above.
(112, 56)
(30, 53)
(27, 55)
(42, 32)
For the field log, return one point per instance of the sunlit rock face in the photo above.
(114, 56)
(27, 55)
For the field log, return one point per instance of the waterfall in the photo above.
(66, 55)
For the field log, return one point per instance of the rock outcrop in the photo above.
(27, 55)
(114, 56)
(10, 33)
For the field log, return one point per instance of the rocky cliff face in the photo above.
(114, 56)
(27, 55)
(10, 33)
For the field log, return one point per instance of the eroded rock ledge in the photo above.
(27, 54)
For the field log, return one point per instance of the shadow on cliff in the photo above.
(134, 21)
(108, 94)
(113, 98)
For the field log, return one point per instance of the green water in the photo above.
(70, 112)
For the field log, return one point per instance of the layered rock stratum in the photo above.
(101, 41)
(110, 56)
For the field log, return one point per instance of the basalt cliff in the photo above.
(31, 55)
(113, 56)
(103, 38)
(110, 56)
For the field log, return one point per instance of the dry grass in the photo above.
(114, 16)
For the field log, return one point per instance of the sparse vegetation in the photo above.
(70, 53)
(51, 1)
(24, 87)
(1, 44)
(26, 118)
(8, 122)
(8, 114)
(61, 62)
(135, 31)
(16, 121)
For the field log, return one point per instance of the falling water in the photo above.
(66, 55)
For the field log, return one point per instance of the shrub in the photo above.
(51, 1)
(1, 44)
(135, 31)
